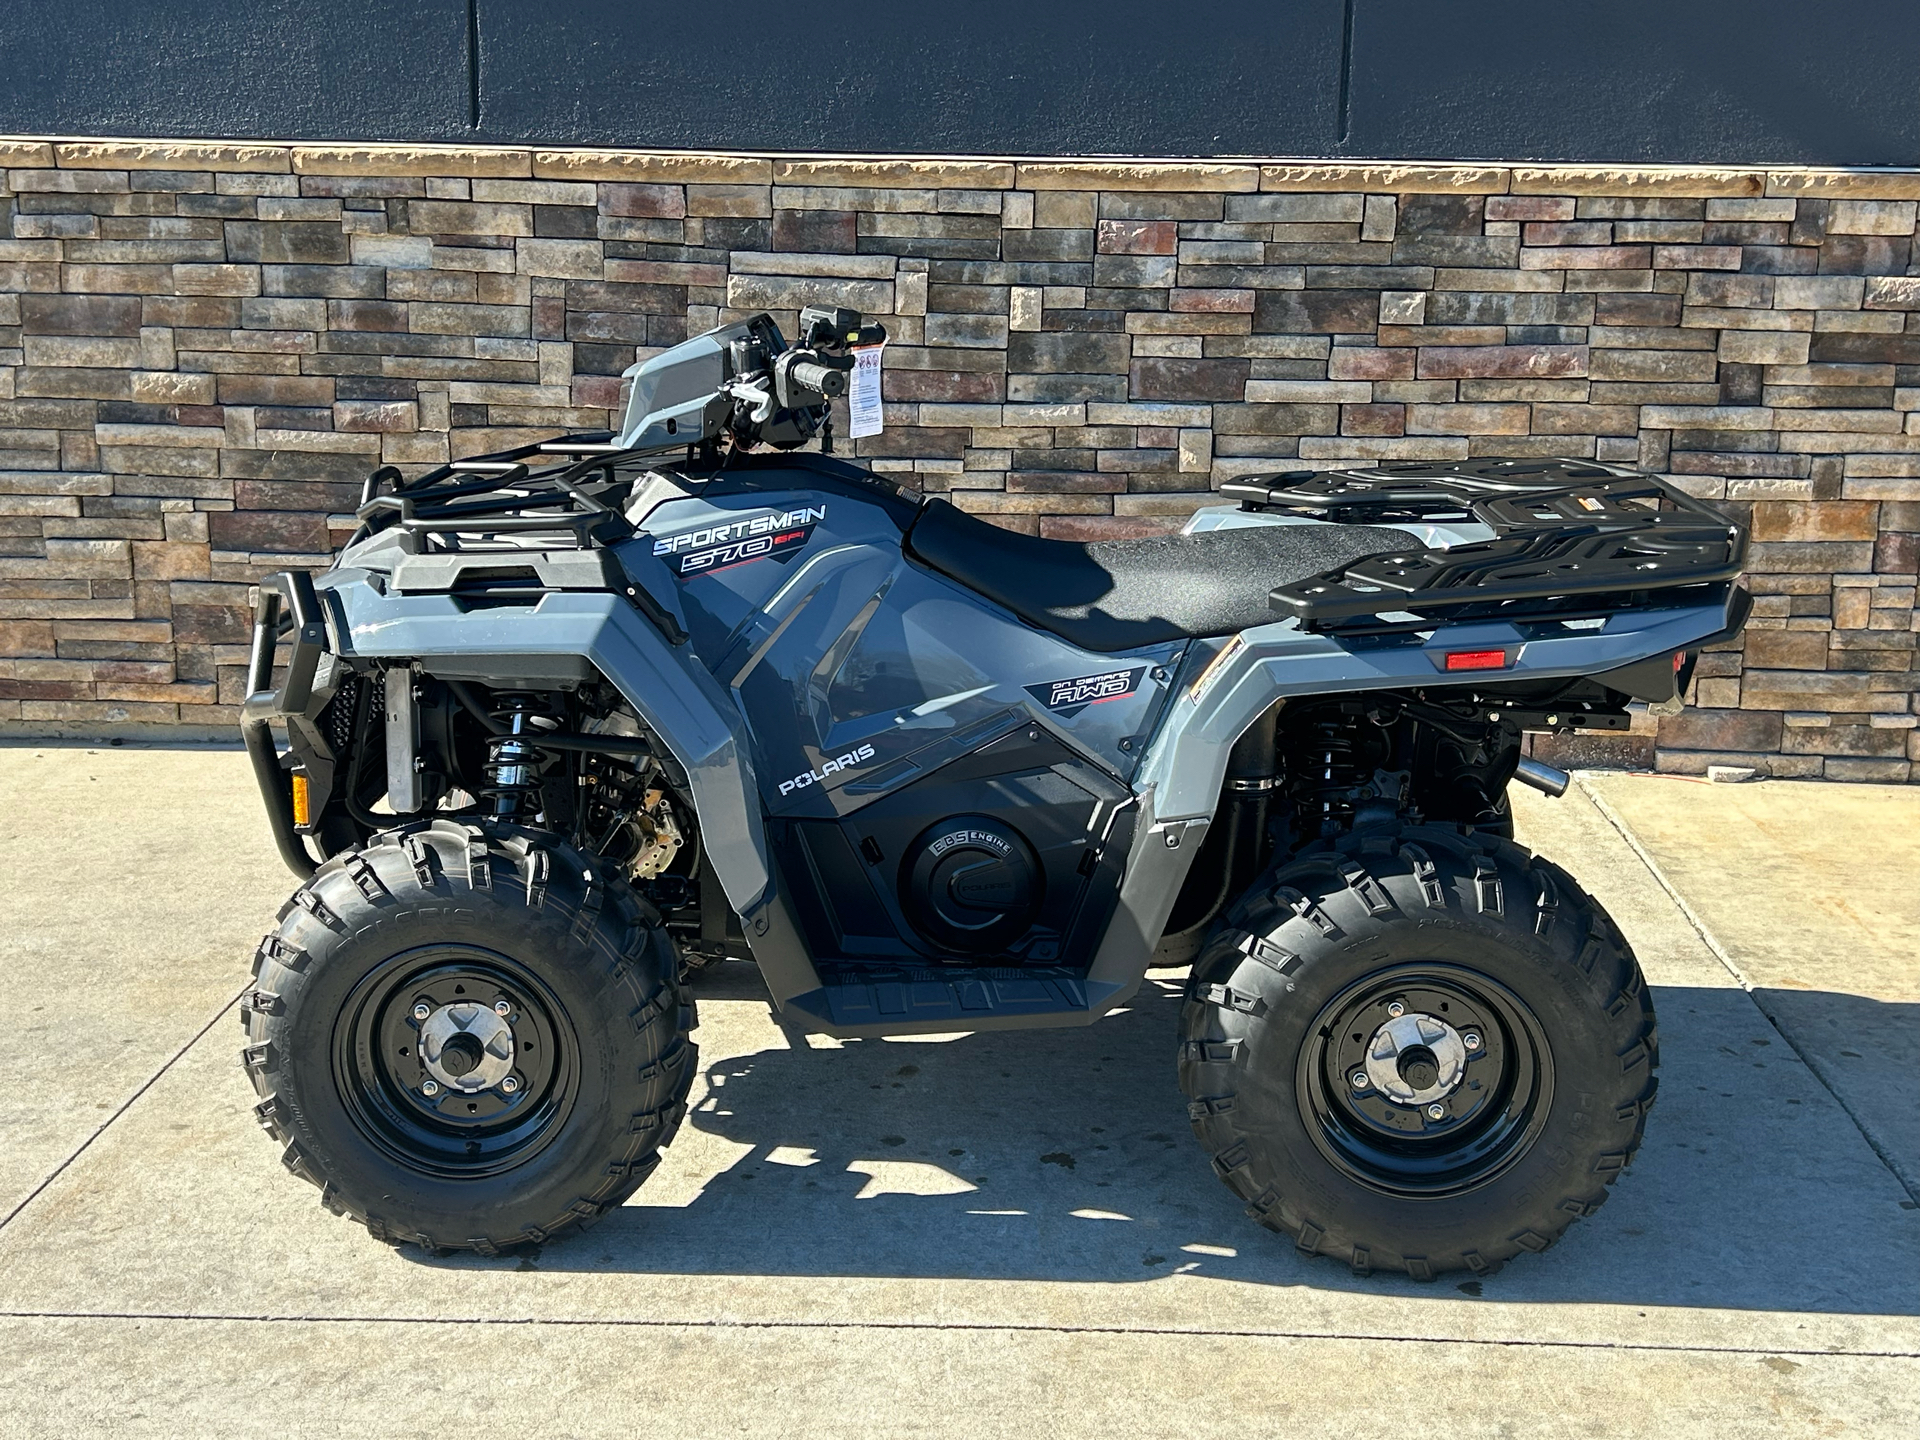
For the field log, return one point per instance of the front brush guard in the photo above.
(265, 703)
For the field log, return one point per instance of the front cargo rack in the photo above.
(1570, 537)
(566, 486)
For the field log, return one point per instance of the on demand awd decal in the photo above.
(777, 535)
(1067, 698)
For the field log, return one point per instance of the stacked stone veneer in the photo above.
(204, 348)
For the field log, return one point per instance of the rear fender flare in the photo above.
(1224, 686)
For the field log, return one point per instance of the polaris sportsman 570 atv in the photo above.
(567, 722)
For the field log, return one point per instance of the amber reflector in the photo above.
(302, 803)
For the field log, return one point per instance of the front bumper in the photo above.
(265, 702)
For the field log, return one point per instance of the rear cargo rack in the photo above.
(1570, 537)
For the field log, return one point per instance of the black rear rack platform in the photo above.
(1569, 537)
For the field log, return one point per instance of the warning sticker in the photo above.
(865, 414)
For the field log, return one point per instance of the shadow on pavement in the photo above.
(1867, 1051)
(1065, 1155)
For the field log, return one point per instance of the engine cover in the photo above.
(971, 884)
(1010, 855)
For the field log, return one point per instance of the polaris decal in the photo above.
(827, 767)
(1067, 698)
(776, 535)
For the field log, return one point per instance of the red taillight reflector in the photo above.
(1477, 660)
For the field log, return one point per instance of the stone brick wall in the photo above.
(204, 348)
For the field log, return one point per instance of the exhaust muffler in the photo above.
(1544, 778)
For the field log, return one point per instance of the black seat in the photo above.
(1109, 595)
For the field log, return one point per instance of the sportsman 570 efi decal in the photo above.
(776, 535)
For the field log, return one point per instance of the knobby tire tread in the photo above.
(436, 863)
(1300, 916)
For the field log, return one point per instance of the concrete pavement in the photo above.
(990, 1235)
(1821, 924)
(133, 881)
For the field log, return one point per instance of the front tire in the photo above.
(469, 1037)
(1419, 1049)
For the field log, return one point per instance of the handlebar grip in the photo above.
(823, 378)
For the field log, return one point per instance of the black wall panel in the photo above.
(1686, 81)
(1815, 82)
(263, 69)
(1028, 77)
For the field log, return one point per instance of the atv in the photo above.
(567, 723)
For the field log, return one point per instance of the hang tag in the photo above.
(865, 414)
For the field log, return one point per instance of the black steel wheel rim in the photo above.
(382, 1076)
(1490, 1119)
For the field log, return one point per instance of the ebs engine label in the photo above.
(1067, 698)
(772, 535)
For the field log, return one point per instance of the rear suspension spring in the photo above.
(1327, 792)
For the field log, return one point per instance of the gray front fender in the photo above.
(668, 688)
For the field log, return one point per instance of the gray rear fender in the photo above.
(1226, 685)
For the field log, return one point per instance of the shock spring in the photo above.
(513, 757)
(1336, 774)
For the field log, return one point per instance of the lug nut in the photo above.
(422, 1010)
(1436, 1111)
(509, 1085)
(1471, 1040)
(430, 1089)
(1358, 1079)
(1396, 1009)
(503, 1008)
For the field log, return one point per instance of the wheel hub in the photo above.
(1425, 1078)
(1415, 1059)
(456, 1060)
(467, 1047)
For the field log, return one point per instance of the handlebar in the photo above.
(781, 394)
(823, 378)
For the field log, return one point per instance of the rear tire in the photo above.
(468, 1036)
(1515, 1099)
